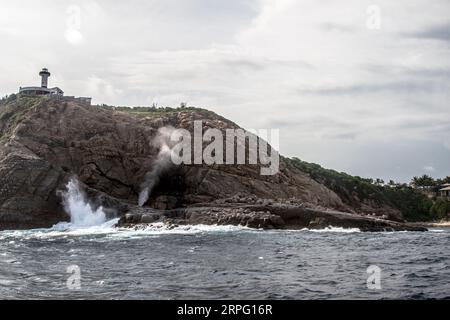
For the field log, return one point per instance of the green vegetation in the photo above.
(342, 183)
(440, 209)
(411, 201)
(8, 98)
(413, 204)
(12, 111)
(427, 182)
(155, 110)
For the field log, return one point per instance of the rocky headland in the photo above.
(46, 142)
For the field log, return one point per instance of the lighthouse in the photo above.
(44, 77)
(55, 93)
(43, 89)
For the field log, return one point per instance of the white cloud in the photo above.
(74, 37)
(429, 169)
(73, 33)
(310, 68)
(102, 89)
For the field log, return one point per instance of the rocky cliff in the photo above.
(45, 142)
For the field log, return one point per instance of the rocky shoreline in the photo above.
(273, 216)
(46, 142)
(440, 224)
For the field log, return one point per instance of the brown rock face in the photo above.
(44, 142)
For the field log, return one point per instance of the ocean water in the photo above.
(221, 262)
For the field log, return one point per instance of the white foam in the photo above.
(436, 230)
(158, 229)
(62, 229)
(80, 210)
(333, 229)
(109, 231)
(162, 228)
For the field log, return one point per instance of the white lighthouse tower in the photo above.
(55, 93)
(44, 75)
(43, 89)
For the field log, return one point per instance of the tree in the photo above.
(444, 180)
(392, 183)
(440, 209)
(423, 181)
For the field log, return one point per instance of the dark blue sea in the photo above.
(221, 262)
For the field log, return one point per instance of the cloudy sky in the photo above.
(358, 86)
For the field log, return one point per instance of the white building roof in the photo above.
(445, 189)
(55, 90)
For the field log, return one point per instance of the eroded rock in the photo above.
(45, 142)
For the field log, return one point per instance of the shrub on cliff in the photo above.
(413, 204)
(440, 209)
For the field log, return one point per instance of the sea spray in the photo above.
(161, 164)
(81, 212)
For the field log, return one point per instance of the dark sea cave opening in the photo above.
(169, 192)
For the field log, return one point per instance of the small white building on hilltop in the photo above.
(51, 92)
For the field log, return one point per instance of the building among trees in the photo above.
(445, 191)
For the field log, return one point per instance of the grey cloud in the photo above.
(253, 60)
(334, 27)
(341, 135)
(438, 32)
(431, 73)
(442, 73)
(392, 87)
(260, 65)
(308, 123)
(244, 64)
